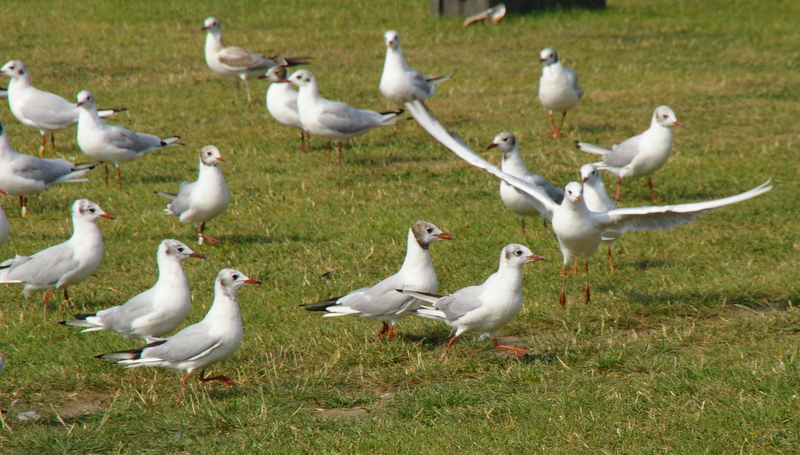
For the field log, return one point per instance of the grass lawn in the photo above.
(690, 347)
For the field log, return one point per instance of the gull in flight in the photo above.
(44, 111)
(639, 155)
(202, 200)
(282, 103)
(558, 88)
(333, 120)
(200, 345)
(156, 311)
(579, 230)
(111, 143)
(64, 264)
(484, 308)
(515, 200)
(238, 62)
(399, 83)
(382, 302)
(23, 175)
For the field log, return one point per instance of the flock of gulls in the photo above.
(582, 214)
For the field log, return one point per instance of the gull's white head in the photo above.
(573, 192)
(517, 255)
(302, 78)
(176, 249)
(89, 211)
(211, 24)
(210, 156)
(85, 99)
(230, 280)
(665, 117)
(590, 174)
(426, 233)
(276, 74)
(548, 57)
(506, 142)
(392, 39)
(14, 69)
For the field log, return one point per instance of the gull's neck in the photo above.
(512, 163)
(308, 93)
(417, 258)
(20, 82)
(86, 233)
(210, 174)
(5, 147)
(225, 308)
(510, 275)
(170, 271)
(394, 57)
(554, 69)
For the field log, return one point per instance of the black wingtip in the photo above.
(396, 112)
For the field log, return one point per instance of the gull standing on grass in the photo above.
(201, 345)
(202, 200)
(238, 62)
(515, 200)
(23, 175)
(333, 120)
(558, 88)
(579, 230)
(156, 311)
(282, 103)
(382, 302)
(399, 83)
(639, 155)
(111, 143)
(484, 308)
(64, 264)
(597, 200)
(38, 109)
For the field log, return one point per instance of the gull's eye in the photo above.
(91, 210)
(430, 230)
(518, 252)
(235, 276)
(180, 250)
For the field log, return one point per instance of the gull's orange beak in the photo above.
(197, 255)
(491, 146)
(536, 257)
(252, 281)
(445, 236)
(107, 216)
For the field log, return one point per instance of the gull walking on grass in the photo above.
(200, 345)
(282, 103)
(156, 311)
(558, 88)
(383, 302)
(399, 83)
(201, 201)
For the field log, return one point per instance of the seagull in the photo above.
(238, 62)
(517, 201)
(200, 345)
(558, 88)
(202, 200)
(22, 175)
(484, 308)
(639, 155)
(64, 264)
(333, 120)
(282, 102)
(399, 83)
(597, 200)
(579, 230)
(156, 311)
(111, 143)
(38, 109)
(382, 302)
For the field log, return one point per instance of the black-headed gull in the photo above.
(64, 264)
(639, 155)
(484, 308)
(399, 83)
(333, 120)
(558, 88)
(597, 200)
(200, 345)
(238, 62)
(44, 111)
(111, 143)
(202, 200)
(23, 175)
(156, 311)
(282, 102)
(579, 230)
(382, 302)
(517, 201)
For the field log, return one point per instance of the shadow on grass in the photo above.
(756, 303)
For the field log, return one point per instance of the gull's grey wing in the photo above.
(191, 343)
(181, 203)
(435, 129)
(554, 193)
(122, 317)
(128, 140)
(664, 217)
(421, 82)
(621, 155)
(238, 57)
(459, 303)
(45, 267)
(344, 119)
(45, 170)
(573, 80)
(381, 299)
(49, 110)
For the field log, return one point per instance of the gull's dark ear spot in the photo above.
(507, 253)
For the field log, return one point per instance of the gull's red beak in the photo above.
(222, 160)
(3, 192)
(252, 281)
(677, 123)
(536, 257)
(197, 255)
(491, 146)
(107, 216)
(445, 236)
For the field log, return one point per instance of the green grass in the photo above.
(691, 347)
